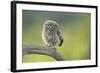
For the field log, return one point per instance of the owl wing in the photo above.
(60, 37)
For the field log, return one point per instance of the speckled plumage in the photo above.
(51, 34)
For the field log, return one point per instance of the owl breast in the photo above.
(50, 38)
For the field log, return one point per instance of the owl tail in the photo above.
(61, 42)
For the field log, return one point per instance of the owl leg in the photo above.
(51, 47)
(54, 48)
(48, 46)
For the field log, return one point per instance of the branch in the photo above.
(29, 49)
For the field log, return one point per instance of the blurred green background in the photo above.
(75, 28)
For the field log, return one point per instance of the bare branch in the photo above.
(29, 49)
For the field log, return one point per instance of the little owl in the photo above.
(51, 34)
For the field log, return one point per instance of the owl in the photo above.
(51, 35)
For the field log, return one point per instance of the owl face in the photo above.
(50, 25)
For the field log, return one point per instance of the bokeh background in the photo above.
(75, 28)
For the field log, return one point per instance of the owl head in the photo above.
(50, 25)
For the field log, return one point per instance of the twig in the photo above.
(29, 49)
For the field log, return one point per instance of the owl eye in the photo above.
(53, 25)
